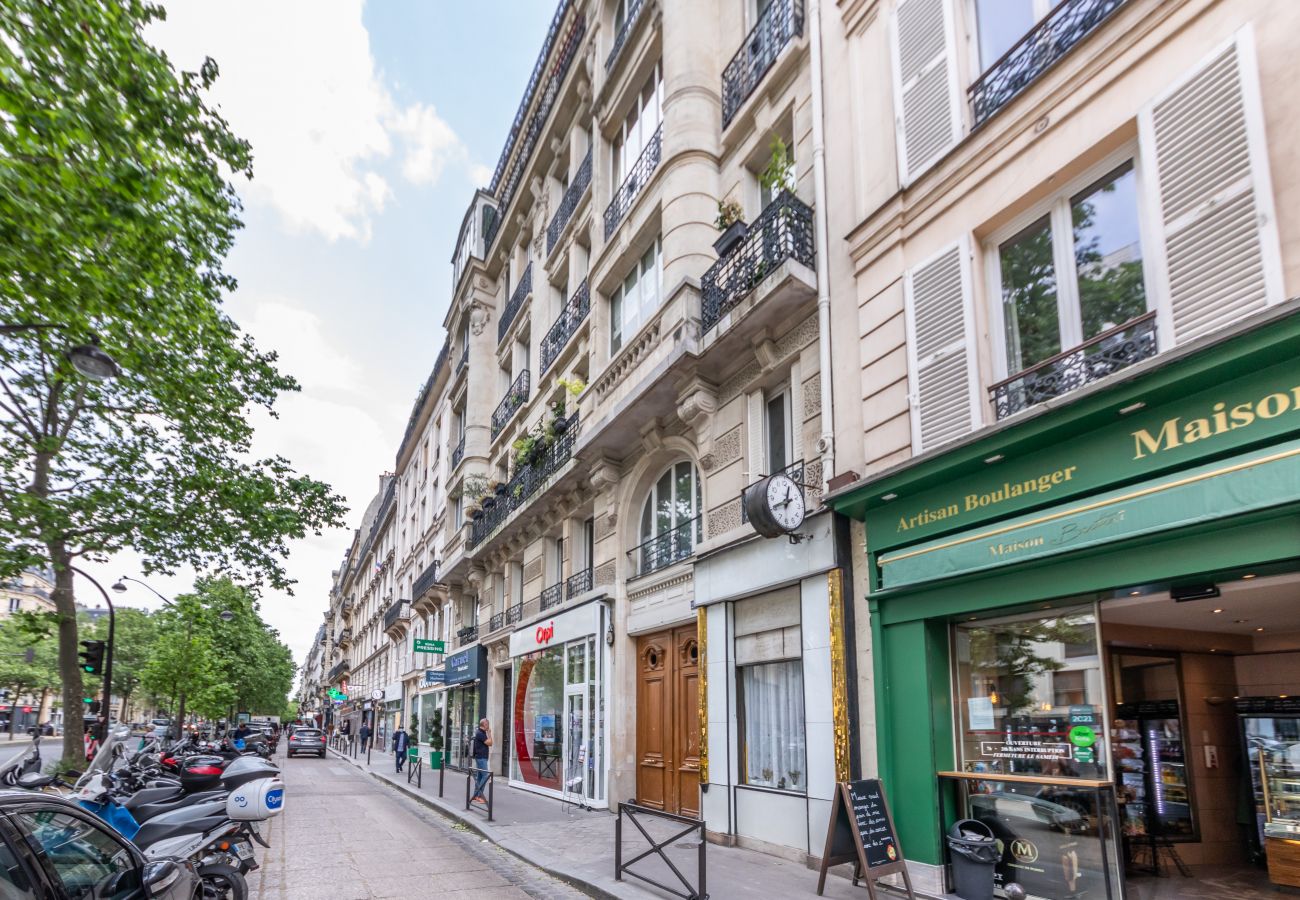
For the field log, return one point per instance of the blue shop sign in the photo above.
(467, 665)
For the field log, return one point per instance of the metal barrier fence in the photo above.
(471, 775)
(621, 868)
(415, 766)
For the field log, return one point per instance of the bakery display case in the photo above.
(1270, 730)
(1152, 781)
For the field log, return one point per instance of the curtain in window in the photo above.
(774, 725)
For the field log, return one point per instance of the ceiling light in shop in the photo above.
(889, 497)
(1259, 629)
(1134, 593)
(1248, 577)
(1217, 611)
(1132, 408)
(996, 457)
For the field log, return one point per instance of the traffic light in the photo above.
(92, 658)
(29, 655)
(95, 707)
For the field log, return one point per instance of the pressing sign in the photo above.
(862, 832)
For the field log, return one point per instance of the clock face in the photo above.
(785, 502)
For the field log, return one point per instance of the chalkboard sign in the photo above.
(861, 831)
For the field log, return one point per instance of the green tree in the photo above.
(133, 638)
(20, 634)
(115, 218)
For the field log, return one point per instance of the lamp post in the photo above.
(108, 659)
(90, 360)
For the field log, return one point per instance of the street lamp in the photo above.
(90, 360)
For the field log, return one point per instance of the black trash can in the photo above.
(974, 853)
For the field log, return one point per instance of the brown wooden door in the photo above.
(667, 721)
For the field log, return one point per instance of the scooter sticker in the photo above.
(240, 800)
(275, 798)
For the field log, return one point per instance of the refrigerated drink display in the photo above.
(1153, 780)
(1270, 731)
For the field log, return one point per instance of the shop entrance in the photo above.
(1205, 737)
(668, 721)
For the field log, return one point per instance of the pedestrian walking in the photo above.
(400, 743)
(482, 741)
(365, 736)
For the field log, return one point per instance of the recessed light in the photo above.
(1248, 577)
(1132, 408)
(1241, 621)
(1214, 649)
(890, 496)
(1217, 611)
(996, 457)
(1283, 696)
(971, 618)
(1259, 629)
(1134, 593)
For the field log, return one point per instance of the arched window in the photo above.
(671, 524)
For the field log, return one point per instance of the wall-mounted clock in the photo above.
(775, 505)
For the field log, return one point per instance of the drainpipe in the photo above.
(826, 446)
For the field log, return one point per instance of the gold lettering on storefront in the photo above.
(1010, 490)
(1177, 431)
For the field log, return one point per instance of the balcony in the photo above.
(620, 39)
(522, 290)
(516, 396)
(515, 614)
(568, 204)
(496, 623)
(526, 481)
(636, 179)
(669, 547)
(458, 454)
(783, 231)
(780, 23)
(339, 670)
(1040, 49)
(467, 635)
(397, 614)
(425, 581)
(1093, 360)
(462, 362)
(574, 312)
(578, 583)
(344, 638)
(552, 596)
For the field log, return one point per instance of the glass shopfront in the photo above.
(558, 716)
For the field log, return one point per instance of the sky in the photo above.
(371, 125)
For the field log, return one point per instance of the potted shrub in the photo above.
(489, 501)
(524, 447)
(732, 226)
(476, 513)
(499, 488)
(559, 422)
(435, 742)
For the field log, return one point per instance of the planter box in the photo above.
(734, 234)
(435, 759)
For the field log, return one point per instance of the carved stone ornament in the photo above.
(479, 316)
(604, 474)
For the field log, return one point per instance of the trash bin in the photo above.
(974, 853)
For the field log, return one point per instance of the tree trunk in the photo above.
(13, 713)
(74, 748)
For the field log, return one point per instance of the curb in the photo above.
(590, 888)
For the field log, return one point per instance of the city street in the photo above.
(345, 837)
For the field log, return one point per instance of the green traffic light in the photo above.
(87, 699)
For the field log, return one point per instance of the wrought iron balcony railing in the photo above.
(636, 179)
(1046, 43)
(578, 583)
(463, 361)
(496, 623)
(784, 230)
(1112, 350)
(398, 611)
(426, 579)
(458, 454)
(575, 310)
(339, 669)
(668, 547)
(780, 23)
(515, 614)
(620, 39)
(516, 396)
(467, 635)
(526, 481)
(553, 595)
(522, 290)
(345, 637)
(568, 203)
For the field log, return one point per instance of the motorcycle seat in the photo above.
(33, 781)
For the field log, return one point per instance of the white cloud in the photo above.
(299, 82)
(480, 175)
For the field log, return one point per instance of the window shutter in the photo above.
(757, 451)
(942, 379)
(927, 111)
(1213, 200)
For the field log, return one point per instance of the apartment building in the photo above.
(1067, 429)
(29, 591)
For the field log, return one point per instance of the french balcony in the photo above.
(526, 481)
(396, 617)
(578, 583)
(783, 231)
(516, 396)
(566, 326)
(458, 454)
(668, 547)
(340, 669)
(624, 31)
(1040, 49)
(569, 204)
(636, 179)
(1094, 359)
(780, 23)
(496, 622)
(467, 635)
(553, 596)
(522, 290)
(515, 614)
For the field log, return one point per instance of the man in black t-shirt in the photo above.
(482, 741)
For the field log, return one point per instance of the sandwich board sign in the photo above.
(861, 831)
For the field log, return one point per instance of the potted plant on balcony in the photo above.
(499, 488)
(559, 422)
(732, 226)
(524, 447)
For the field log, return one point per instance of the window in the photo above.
(769, 675)
(636, 298)
(84, 857)
(674, 502)
(640, 125)
(765, 193)
(15, 604)
(1001, 23)
(778, 430)
(1073, 273)
(14, 880)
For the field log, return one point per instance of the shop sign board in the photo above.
(557, 630)
(1260, 407)
(427, 645)
(1252, 481)
(467, 665)
(435, 676)
(861, 831)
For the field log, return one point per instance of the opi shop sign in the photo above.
(557, 630)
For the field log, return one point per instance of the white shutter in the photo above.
(927, 102)
(942, 375)
(1216, 236)
(757, 447)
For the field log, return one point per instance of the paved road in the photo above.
(345, 837)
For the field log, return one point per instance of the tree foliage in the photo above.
(116, 214)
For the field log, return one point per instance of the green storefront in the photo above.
(1071, 616)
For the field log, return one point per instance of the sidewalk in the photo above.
(577, 846)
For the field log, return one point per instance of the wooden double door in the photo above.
(668, 721)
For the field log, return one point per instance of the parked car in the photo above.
(68, 853)
(307, 740)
